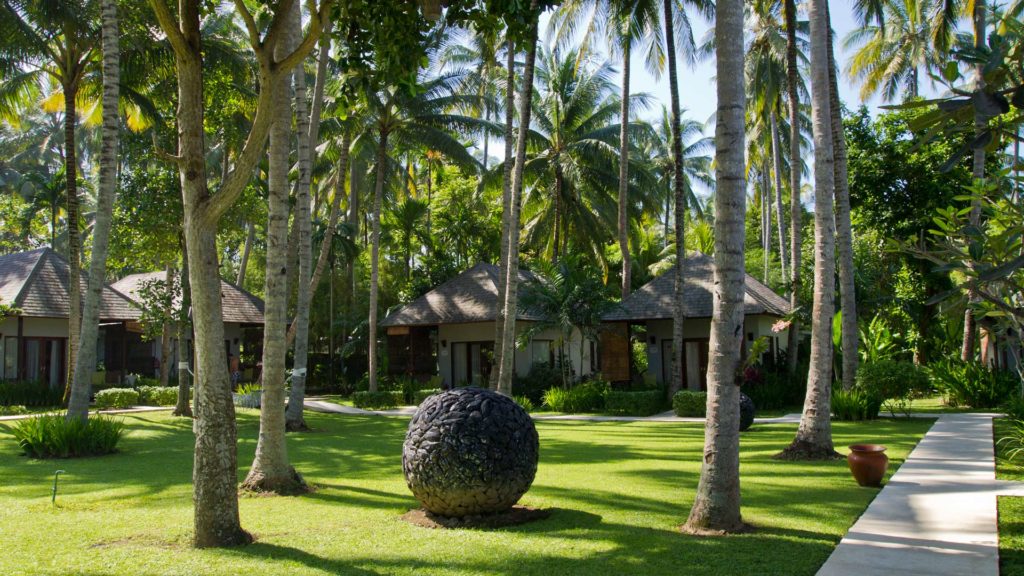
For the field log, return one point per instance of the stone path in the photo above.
(937, 514)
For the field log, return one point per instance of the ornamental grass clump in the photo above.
(54, 436)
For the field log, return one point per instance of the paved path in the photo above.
(937, 514)
(324, 406)
(119, 411)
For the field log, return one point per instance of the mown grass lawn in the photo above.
(1011, 508)
(620, 490)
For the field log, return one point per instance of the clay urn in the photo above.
(868, 463)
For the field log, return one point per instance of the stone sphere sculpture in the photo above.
(469, 452)
(747, 411)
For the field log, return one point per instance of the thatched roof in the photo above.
(469, 297)
(654, 300)
(238, 305)
(36, 282)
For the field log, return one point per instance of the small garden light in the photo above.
(53, 493)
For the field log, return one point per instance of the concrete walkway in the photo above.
(318, 405)
(937, 514)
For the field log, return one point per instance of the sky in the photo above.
(697, 86)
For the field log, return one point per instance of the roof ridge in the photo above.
(20, 296)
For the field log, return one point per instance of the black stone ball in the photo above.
(469, 451)
(747, 411)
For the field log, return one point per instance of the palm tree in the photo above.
(573, 152)
(85, 366)
(795, 208)
(716, 506)
(403, 226)
(405, 121)
(627, 24)
(814, 436)
(54, 40)
(895, 43)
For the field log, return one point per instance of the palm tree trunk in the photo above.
(243, 264)
(378, 194)
(844, 229)
(557, 241)
(512, 272)
(795, 209)
(766, 219)
(85, 365)
(271, 470)
(977, 173)
(679, 195)
(506, 208)
(814, 436)
(627, 265)
(716, 507)
(307, 126)
(165, 333)
(777, 165)
(74, 240)
(184, 407)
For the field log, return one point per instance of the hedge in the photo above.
(117, 398)
(158, 395)
(690, 404)
(643, 403)
(377, 400)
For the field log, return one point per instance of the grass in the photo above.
(936, 405)
(621, 489)
(1011, 508)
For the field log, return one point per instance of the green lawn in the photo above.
(1011, 509)
(620, 491)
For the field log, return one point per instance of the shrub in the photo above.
(972, 383)
(53, 436)
(585, 397)
(377, 400)
(774, 390)
(891, 380)
(30, 394)
(13, 410)
(1014, 408)
(142, 381)
(542, 377)
(158, 395)
(643, 403)
(117, 398)
(420, 395)
(687, 403)
(855, 404)
(525, 403)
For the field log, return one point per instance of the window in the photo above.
(11, 358)
(540, 351)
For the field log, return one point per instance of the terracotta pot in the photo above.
(868, 463)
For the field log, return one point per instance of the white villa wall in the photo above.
(754, 327)
(481, 332)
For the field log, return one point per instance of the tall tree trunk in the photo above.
(814, 436)
(506, 208)
(844, 228)
(795, 209)
(766, 219)
(243, 264)
(165, 332)
(378, 195)
(307, 125)
(214, 475)
(777, 165)
(511, 301)
(85, 364)
(977, 173)
(271, 470)
(716, 507)
(74, 238)
(627, 263)
(679, 196)
(184, 406)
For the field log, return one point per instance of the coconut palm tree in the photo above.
(795, 208)
(573, 155)
(627, 25)
(814, 436)
(85, 366)
(52, 41)
(894, 45)
(716, 506)
(403, 121)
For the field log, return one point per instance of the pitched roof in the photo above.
(36, 282)
(469, 297)
(237, 304)
(654, 300)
